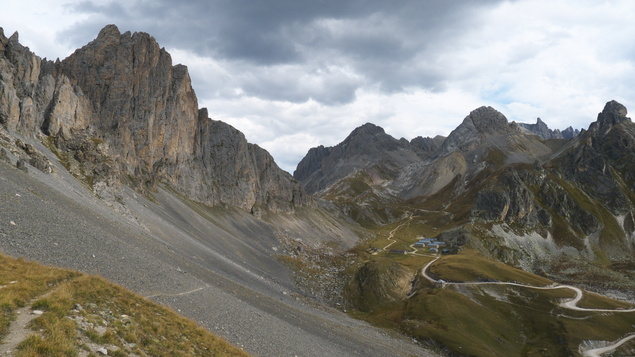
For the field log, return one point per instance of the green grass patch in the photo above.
(21, 281)
(133, 324)
(595, 301)
(469, 266)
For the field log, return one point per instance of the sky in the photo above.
(292, 74)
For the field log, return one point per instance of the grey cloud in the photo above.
(391, 44)
(298, 84)
(88, 7)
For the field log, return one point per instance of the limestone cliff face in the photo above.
(124, 91)
(226, 169)
(144, 106)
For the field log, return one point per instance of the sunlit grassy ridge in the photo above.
(81, 310)
(468, 266)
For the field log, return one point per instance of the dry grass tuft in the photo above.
(83, 313)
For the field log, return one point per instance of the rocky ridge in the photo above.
(120, 97)
(541, 129)
(367, 148)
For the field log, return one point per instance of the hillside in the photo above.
(535, 202)
(51, 311)
(504, 199)
(108, 167)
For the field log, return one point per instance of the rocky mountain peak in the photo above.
(602, 154)
(480, 122)
(108, 33)
(123, 91)
(542, 130)
(613, 113)
(487, 119)
(570, 133)
(366, 147)
(367, 129)
(368, 137)
(365, 135)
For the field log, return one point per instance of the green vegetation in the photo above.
(611, 234)
(468, 266)
(507, 321)
(493, 320)
(595, 301)
(21, 281)
(80, 309)
(495, 157)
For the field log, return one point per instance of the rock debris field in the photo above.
(222, 274)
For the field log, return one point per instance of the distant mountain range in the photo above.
(541, 129)
(574, 189)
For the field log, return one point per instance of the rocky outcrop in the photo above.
(427, 144)
(509, 199)
(376, 284)
(569, 133)
(122, 90)
(602, 159)
(560, 201)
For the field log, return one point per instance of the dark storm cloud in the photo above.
(388, 44)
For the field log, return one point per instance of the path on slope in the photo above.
(570, 304)
(391, 235)
(597, 352)
(19, 330)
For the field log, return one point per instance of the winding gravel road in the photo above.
(570, 304)
(597, 352)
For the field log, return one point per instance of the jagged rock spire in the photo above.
(613, 113)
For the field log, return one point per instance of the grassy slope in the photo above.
(492, 320)
(110, 316)
(469, 266)
(496, 320)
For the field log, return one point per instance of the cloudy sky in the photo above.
(296, 74)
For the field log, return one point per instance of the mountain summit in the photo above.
(121, 98)
(366, 147)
